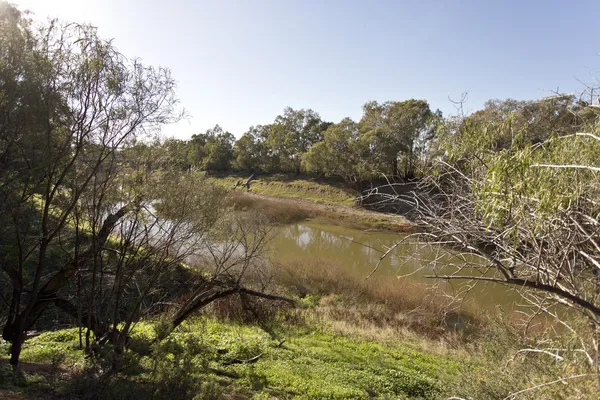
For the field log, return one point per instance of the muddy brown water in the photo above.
(359, 252)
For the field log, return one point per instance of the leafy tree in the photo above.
(68, 102)
(218, 150)
(292, 134)
(252, 152)
(212, 151)
(394, 131)
(518, 206)
(175, 154)
(196, 151)
(342, 153)
(537, 120)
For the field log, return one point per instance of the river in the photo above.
(360, 251)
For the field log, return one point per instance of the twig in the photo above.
(567, 166)
(512, 395)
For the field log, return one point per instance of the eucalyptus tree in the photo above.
(251, 151)
(343, 153)
(196, 151)
(218, 149)
(212, 151)
(537, 119)
(292, 134)
(395, 131)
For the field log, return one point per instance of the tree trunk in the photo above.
(15, 348)
(16, 326)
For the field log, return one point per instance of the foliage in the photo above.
(395, 129)
(212, 151)
(292, 134)
(342, 153)
(300, 141)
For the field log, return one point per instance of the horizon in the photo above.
(240, 64)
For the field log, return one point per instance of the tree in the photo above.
(536, 119)
(252, 152)
(176, 154)
(292, 134)
(342, 153)
(140, 267)
(218, 150)
(394, 131)
(196, 150)
(524, 215)
(69, 102)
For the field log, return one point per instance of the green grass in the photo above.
(310, 364)
(320, 365)
(295, 188)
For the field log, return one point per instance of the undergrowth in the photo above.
(205, 359)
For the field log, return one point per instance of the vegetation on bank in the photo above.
(327, 348)
(205, 358)
(329, 192)
(347, 339)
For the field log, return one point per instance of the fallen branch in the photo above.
(248, 361)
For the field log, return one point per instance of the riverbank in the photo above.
(347, 339)
(288, 199)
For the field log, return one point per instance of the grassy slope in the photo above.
(289, 199)
(311, 364)
(293, 188)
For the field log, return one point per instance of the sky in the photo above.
(240, 63)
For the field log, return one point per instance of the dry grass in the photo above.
(277, 210)
(246, 310)
(286, 211)
(379, 303)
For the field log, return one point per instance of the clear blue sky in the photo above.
(239, 63)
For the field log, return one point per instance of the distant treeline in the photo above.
(395, 138)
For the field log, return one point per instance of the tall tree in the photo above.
(68, 101)
(536, 119)
(293, 133)
(196, 151)
(342, 153)
(517, 205)
(394, 130)
(218, 149)
(251, 151)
